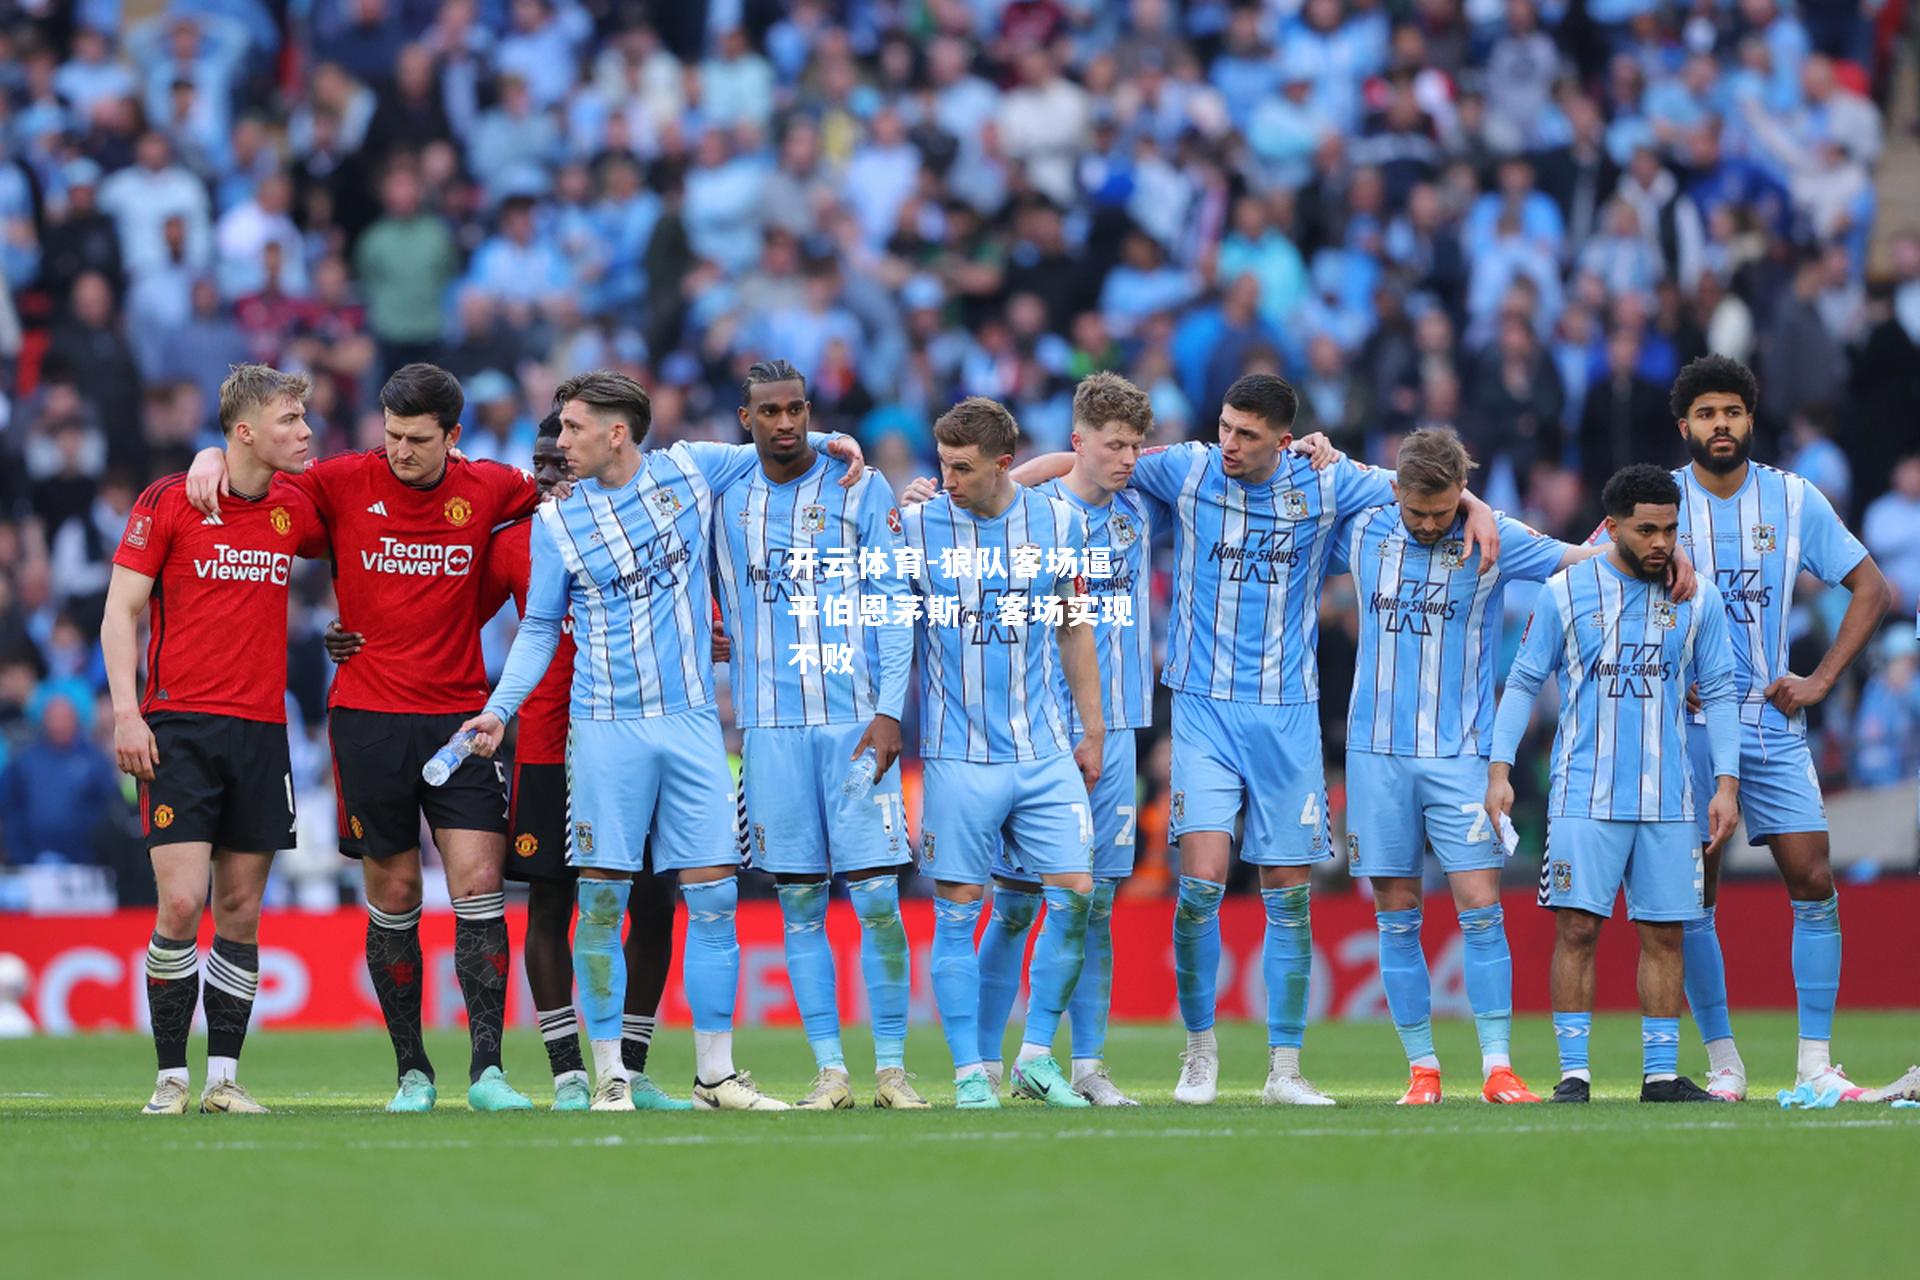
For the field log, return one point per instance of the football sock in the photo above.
(393, 962)
(1571, 1032)
(173, 989)
(636, 1032)
(599, 963)
(1403, 972)
(1287, 960)
(606, 1060)
(713, 1056)
(1723, 1056)
(1489, 975)
(885, 965)
(1816, 965)
(232, 980)
(956, 979)
(560, 1033)
(1003, 946)
(710, 964)
(1093, 995)
(1706, 978)
(810, 969)
(481, 958)
(1660, 1048)
(1057, 960)
(1814, 1057)
(1196, 949)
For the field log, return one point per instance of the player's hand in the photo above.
(1682, 583)
(1792, 694)
(206, 481)
(883, 735)
(1693, 699)
(1499, 801)
(561, 489)
(341, 644)
(1723, 814)
(722, 647)
(847, 449)
(488, 733)
(920, 489)
(1088, 755)
(134, 747)
(1317, 450)
(1482, 534)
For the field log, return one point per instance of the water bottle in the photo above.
(860, 778)
(436, 771)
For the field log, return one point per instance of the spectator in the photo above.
(404, 264)
(55, 793)
(1043, 124)
(1521, 69)
(1891, 531)
(512, 142)
(247, 229)
(205, 348)
(1626, 418)
(93, 352)
(1885, 739)
(411, 114)
(140, 199)
(736, 86)
(80, 238)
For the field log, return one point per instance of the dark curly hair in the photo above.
(1641, 482)
(1709, 375)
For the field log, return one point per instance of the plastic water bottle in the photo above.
(860, 778)
(437, 770)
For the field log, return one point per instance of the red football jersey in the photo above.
(406, 573)
(217, 641)
(543, 716)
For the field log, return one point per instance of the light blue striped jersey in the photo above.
(631, 566)
(1123, 635)
(813, 597)
(1249, 563)
(1430, 630)
(985, 641)
(1624, 653)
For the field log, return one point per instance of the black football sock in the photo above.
(393, 962)
(481, 959)
(173, 989)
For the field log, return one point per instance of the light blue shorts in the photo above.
(1397, 806)
(1037, 809)
(1588, 860)
(661, 776)
(1230, 755)
(798, 813)
(1113, 799)
(1779, 787)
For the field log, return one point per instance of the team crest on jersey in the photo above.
(1293, 504)
(1597, 620)
(1665, 615)
(457, 511)
(666, 502)
(1763, 538)
(1179, 805)
(526, 844)
(353, 825)
(137, 530)
(583, 837)
(1123, 531)
(1453, 553)
(760, 838)
(163, 816)
(893, 519)
(813, 518)
(1686, 540)
(281, 521)
(1353, 851)
(1563, 877)
(926, 848)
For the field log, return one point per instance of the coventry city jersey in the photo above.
(1429, 631)
(1624, 653)
(1122, 635)
(1249, 562)
(813, 597)
(991, 593)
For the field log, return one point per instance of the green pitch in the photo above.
(329, 1186)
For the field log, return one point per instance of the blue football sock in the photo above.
(1196, 949)
(1058, 957)
(1706, 978)
(710, 956)
(1286, 958)
(1571, 1031)
(810, 970)
(1489, 966)
(1003, 948)
(956, 978)
(1816, 965)
(885, 965)
(1660, 1046)
(1093, 994)
(599, 963)
(1403, 972)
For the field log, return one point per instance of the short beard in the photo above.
(1639, 567)
(1703, 454)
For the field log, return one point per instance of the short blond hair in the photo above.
(1105, 397)
(249, 388)
(978, 421)
(1432, 460)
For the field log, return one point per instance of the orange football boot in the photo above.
(1423, 1088)
(1505, 1087)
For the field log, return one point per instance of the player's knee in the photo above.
(236, 913)
(1811, 883)
(1577, 929)
(179, 912)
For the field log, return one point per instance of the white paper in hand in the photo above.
(1509, 836)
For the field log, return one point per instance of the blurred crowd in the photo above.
(1515, 217)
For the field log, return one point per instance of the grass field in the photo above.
(330, 1186)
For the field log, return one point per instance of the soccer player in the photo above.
(1621, 808)
(999, 583)
(822, 647)
(1418, 729)
(410, 527)
(208, 740)
(1253, 524)
(1754, 530)
(625, 553)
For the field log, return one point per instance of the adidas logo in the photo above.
(377, 509)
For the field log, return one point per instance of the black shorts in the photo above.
(220, 779)
(538, 828)
(377, 758)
